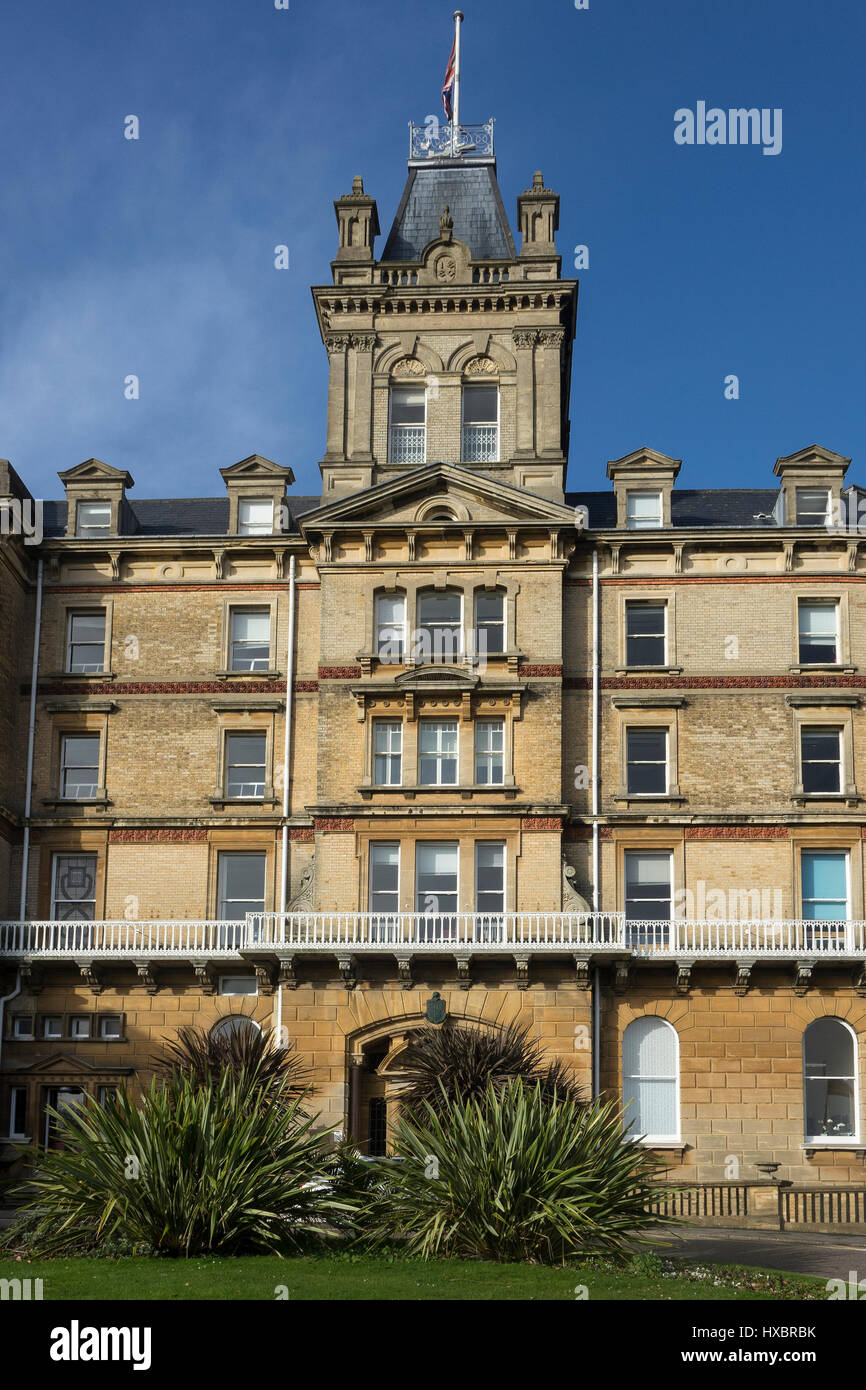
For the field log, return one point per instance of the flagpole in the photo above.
(455, 119)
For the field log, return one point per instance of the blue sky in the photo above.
(155, 257)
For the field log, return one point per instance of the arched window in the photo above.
(650, 1080)
(830, 1081)
(408, 431)
(489, 622)
(480, 424)
(440, 626)
(233, 1025)
(391, 627)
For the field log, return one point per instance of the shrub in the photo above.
(456, 1061)
(195, 1168)
(204, 1056)
(516, 1174)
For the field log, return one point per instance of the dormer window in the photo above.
(93, 519)
(255, 516)
(480, 424)
(813, 506)
(408, 427)
(643, 511)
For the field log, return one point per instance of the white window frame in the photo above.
(238, 610)
(85, 529)
(81, 1026)
(223, 858)
(414, 385)
(503, 599)
(103, 1022)
(481, 754)
(228, 986)
(64, 739)
(823, 1141)
(651, 1141)
(246, 527)
(439, 754)
(801, 491)
(245, 735)
(649, 729)
(499, 912)
(420, 650)
(429, 844)
(389, 754)
(23, 1019)
(649, 523)
(838, 729)
(846, 855)
(656, 853)
(372, 846)
(390, 626)
(52, 1018)
(803, 603)
(71, 615)
(469, 456)
(631, 605)
(15, 1133)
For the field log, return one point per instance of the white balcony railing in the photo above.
(480, 444)
(408, 444)
(601, 933)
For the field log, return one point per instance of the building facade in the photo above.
(446, 735)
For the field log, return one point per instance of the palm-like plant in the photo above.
(459, 1061)
(515, 1175)
(205, 1056)
(193, 1168)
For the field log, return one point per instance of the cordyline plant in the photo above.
(205, 1056)
(458, 1061)
(515, 1174)
(193, 1168)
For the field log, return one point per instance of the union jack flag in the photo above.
(448, 84)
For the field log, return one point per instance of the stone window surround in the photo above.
(467, 712)
(94, 721)
(668, 597)
(651, 839)
(77, 841)
(840, 839)
(241, 841)
(654, 712)
(248, 721)
(411, 585)
(67, 608)
(445, 832)
(839, 596)
(833, 711)
(230, 605)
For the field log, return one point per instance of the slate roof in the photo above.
(472, 194)
(175, 516)
(719, 506)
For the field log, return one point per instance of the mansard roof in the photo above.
(471, 192)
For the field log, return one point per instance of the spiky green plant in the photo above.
(205, 1055)
(460, 1061)
(193, 1168)
(515, 1175)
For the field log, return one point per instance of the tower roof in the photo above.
(471, 191)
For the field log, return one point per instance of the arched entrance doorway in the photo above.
(377, 1059)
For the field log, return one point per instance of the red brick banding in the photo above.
(184, 835)
(541, 670)
(302, 834)
(541, 823)
(736, 832)
(326, 824)
(340, 673)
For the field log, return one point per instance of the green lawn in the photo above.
(259, 1277)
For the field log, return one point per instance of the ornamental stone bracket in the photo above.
(204, 976)
(621, 976)
(91, 975)
(404, 969)
(463, 960)
(348, 969)
(521, 962)
(581, 971)
(32, 977)
(858, 980)
(743, 974)
(803, 975)
(147, 977)
(267, 976)
(684, 975)
(286, 966)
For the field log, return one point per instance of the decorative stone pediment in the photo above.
(409, 499)
(95, 481)
(258, 478)
(446, 261)
(450, 676)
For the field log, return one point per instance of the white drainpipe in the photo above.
(31, 732)
(287, 744)
(596, 778)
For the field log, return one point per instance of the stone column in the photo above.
(361, 413)
(524, 432)
(549, 392)
(338, 346)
